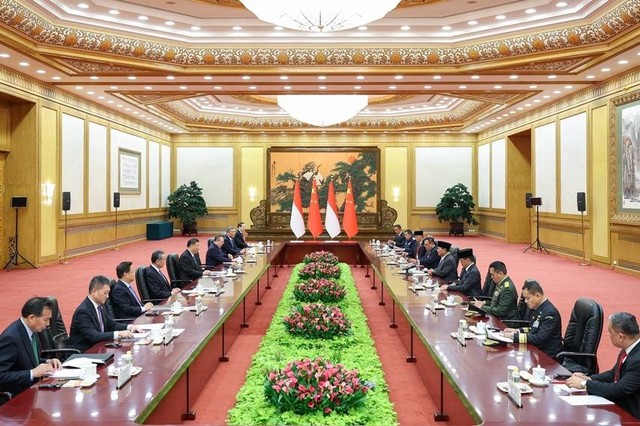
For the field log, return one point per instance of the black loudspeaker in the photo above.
(527, 199)
(116, 200)
(536, 201)
(66, 201)
(582, 202)
(18, 202)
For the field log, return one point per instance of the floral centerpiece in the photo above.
(317, 321)
(309, 385)
(319, 290)
(319, 270)
(321, 256)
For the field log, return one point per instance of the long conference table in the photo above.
(461, 379)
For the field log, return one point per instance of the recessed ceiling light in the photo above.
(363, 28)
(392, 87)
(148, 88)
(497, 86)
(119, 105)
(561, 4)
(135, 113)
(546, 97)
(131, 77)
(500, 17)
(287, 87)
(437, 77)
(41, 71)
(113, 87)
(182, 87)
(236, 28)
(4, 55)
(360, 77)
(195, 28)
(405, 28)
(110, 102)
(357, 87)
(513, 77)
(557, 92)
(322, 87)
(169, 23)
(623, 62)
(252, 87)
(530, 11)
(114, 12)
(446, 28)
(217, 87)
(91, 93)
(527, 105)
(568, 87)
(462, 87)
(24, 64)
(79, 87)
(590, 77)
(475, 77)
(284, 77)
(100, 97)
(56, 77)
(533, 86)
(551, 77)
(605, 69)
(208, 77)
(143, 18)
(472, 22)
(83, 6)
(246, 77)
(278, 28)
(398, 77)
(426, 87)
(536, 101)
(94, 77)
(322, 77)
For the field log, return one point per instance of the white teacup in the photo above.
(89, 370)
(481, 327)
(155, 334)
(450, 299)
(539, 374)
(176, 307)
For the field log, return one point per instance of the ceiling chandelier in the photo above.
(320, 15)
(322, 110)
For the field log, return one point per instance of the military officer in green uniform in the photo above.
(545, 327)
(505, 297)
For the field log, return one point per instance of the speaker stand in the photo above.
(63, 261)
(537, 244)
(584, 253)
(14, 260)
(115, 242)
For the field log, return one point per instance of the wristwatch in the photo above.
(583, 384)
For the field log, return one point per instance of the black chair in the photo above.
(5, 397)
(582, 337)
(108, 306)
(53, 339)
(172, 270)
(523, 317)
(143, 288)
(210, 241)
(453, 250)
(488, 288)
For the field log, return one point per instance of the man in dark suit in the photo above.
(410, 244)
(399, 240)
(429, 257)
(91, 323)
(157, 284)
(621, 384)
(545, 324)
(215, 255)
(126, 303)
(239, 240)
(189, 264)
(20, 365)
(447, 268)
(229, 245)
(469, 282)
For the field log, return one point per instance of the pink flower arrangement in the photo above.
(317, 321)
(315, 385)
(322, 257)
(319, 290)
(319, 270)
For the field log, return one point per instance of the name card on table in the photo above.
(124, 374)
(515, 393)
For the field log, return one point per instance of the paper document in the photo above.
(154, 326)
(77, 362)
(586, 400)
(498, 336)
(67, 373)
(564, 388)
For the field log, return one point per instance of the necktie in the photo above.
(232, 244)
(134, 295)
(163, 277)
(100, 320)
(621, 357)
(34, 346)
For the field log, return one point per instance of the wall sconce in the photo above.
(252, 193)
(396, 193)
(47, 193)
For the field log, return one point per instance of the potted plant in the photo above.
(186, 203)
(456, 207)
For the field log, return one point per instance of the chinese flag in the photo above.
(314, 222)
(331, 222)
(296, 221)
(349, 220)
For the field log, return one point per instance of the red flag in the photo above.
(314, 222)
(331, 222)
(349, 220)
(296, 221)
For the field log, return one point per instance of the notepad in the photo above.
(576, 400)
(67, 373)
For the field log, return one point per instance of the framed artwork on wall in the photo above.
(128, 171)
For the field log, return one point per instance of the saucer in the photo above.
(542, 383)
(450, 305)
(524, 388)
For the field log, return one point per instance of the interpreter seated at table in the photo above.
(157, 284)
(399, 240)
(469, 281)
(447, 268)
(189, 265)
(621, 384)
(20, 364)
(239, 238)
(229, 245)
(126, 303)
(505, 297)
(91, 323)
(545, 326)
(215, 256)
(410, 245)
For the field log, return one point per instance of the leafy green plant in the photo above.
(456, 205)
(187, 204)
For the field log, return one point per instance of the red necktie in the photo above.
(621, 357)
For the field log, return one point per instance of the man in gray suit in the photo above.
(447, 268)
(469, 282)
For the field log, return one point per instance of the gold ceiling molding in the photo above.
(84, 66)
(373, 99)
(603, 30)
(237, 4)
(565, 65)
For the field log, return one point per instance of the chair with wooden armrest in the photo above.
(582, 337)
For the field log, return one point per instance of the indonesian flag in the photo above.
(314, 222)
(331, 222)
(350, 221)
(297, 222)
